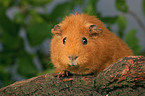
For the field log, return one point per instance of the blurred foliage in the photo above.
(121, 5)
(32, 16)
(91, 7)
(133, 42)
(122, 24)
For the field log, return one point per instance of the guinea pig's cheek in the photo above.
(82, 60)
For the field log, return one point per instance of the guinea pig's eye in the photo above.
(84, 40)
(64, 40)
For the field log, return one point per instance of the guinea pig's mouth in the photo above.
(73, 64)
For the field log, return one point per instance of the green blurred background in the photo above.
(25, 31)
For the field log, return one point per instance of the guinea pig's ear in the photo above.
(56, 30)
(94, 31)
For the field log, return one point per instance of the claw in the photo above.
(63, 74)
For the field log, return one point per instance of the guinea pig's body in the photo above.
(83, 45)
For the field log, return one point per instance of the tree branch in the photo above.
(137, 19)
(125, 77)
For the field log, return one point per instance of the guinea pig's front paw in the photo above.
(63, 74)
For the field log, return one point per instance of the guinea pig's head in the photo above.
(74, 46)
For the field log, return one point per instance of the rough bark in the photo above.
(125, 77)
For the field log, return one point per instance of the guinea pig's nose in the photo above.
(72, 57)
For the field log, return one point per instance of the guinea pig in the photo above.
(81, 44)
